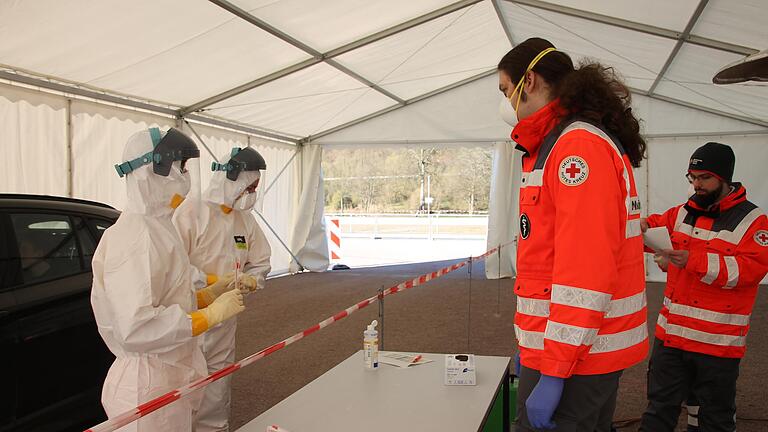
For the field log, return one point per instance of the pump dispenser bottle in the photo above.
(371, 346)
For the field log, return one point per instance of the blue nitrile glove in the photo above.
(543, 401)
(517, 364)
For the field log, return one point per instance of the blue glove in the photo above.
(543, 402)
(517, 364)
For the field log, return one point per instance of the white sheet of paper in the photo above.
(657, 238)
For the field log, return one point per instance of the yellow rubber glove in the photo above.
(246, 283)
(217, 285)
(224, 307)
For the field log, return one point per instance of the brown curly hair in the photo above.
(593, 91)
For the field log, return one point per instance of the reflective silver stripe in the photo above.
(692, 409)
(568, 334)
(679, 225)
(662, 321)
(733, 271)
(533, 178)
(529, 339)
(626, 306)
(633, 228)
(708, 315)
(713, 268)
(533, 307)
(700, 336)
(693, 421)
(619, 341)
(580, 297)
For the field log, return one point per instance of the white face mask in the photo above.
(507, 112)
(178, 186)
(246, 201)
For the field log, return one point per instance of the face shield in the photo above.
(243, 174)
(163, 168)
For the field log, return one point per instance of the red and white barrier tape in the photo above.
(174, 395)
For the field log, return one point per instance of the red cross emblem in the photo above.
(761, 237)
(573, 171)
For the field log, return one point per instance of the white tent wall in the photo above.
(308, 240)
(33, 136)
(99, 134)
(34, 131)
(502, 208)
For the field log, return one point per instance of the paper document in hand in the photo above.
(657, 239)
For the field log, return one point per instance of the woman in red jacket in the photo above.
(581, 310)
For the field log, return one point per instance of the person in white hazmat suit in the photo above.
(220, 233)
(143, 298)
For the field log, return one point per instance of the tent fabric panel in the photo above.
(303, 103)
(99, 134)
(637, 57)
(675, 17)
(33, 131)
(503, 210)
(739, 22)
(690, 78)
(472, 108)
(224, 57)
(433, 55)
(308, 239)
(336, 22)
(82, 40)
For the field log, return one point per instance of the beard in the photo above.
(708, 199)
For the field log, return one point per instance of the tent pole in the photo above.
(70, 162)
(200, 139)
(263, 219)
(279, 174)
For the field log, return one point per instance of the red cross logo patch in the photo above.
(573, 171)
(761, 237)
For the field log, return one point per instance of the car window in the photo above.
(47, 246)
(87, 243)
(99, 226)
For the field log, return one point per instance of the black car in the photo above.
(52, 359)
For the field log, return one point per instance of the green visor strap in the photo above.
(245, 159)
(174, 146)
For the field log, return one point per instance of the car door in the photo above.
(9, 337)
(56, 329)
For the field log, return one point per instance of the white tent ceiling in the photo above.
(301, 69)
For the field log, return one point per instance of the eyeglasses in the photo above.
(701, 177)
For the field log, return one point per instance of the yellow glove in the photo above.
(216, 287)
(246, 282)
(224, 307)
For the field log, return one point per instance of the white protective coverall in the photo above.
(142, 296)
(223, 231)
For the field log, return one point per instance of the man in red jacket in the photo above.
(581, 311)
(720, 255)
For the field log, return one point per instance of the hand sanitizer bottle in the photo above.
(371, 346)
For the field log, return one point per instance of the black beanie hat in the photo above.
(716, 158)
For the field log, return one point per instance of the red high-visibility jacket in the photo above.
(580, 285)
(708, 303)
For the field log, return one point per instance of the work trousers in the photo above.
(587, 403)
(675, 374)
